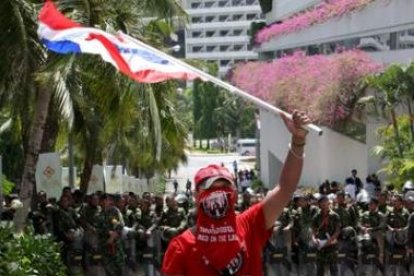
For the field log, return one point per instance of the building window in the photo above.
(237, 32)
(224, 63)
(196, 34)
(209, 4)
(195, 5)
(224, 3)
(210, 49)
(210, 33)
(223, 18)
(224, 33)
(197, 49)
(237, 17)
(238, 47)
(251, 16)
(210, 18)
(196, 19)
(224, 48)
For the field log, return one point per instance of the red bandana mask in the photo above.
(216, 235)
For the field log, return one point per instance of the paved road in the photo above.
(196, 161)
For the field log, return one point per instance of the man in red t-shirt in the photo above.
(221, 242)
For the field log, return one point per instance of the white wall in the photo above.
(284, 8)
(404, 56)
(379, 17)
(330, 156)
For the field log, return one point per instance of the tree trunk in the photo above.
(411, 119)
(86, 174)
(396, 133)
(51, 130)
(35, 140)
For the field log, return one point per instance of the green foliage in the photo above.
(257, 184)
(254, 28)
(29, 255)
(398, 169)
(7, 185)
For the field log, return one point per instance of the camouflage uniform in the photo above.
(347, 215)
(90, 219)
(172, 223)
(71, 235)
(113, 253)
(302, 233)
(325, 227)
(396, 219)
(384, 209)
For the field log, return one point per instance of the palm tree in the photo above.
(389, 88)
(27, 57)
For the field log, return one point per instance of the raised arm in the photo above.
(280, 196)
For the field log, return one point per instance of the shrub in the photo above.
(29, 255)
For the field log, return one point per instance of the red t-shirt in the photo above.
(182, 257)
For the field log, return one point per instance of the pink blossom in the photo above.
(324, 86)
(318, 14)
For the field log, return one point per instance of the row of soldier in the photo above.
(112, 234)
(319, 233)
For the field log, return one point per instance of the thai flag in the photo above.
(61, 35)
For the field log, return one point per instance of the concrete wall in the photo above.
(379, 17)
(330, 156)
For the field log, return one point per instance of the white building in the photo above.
(384, 28)
(218, 31)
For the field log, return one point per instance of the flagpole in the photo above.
(205, 76)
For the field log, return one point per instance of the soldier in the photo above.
(133, 212)
(89, 219)
(145, 226)
(110, 229)
(396, 219)
(382, 203)
(70, 235)
(372, 222)
(301, 230)
(158, 207)
(347, 214)
(41, 216)
(409, 201)
(281, 239)
(326, 227)
(173, 221)
(349, 218)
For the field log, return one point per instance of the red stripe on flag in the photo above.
(114, 52)
(50, 16)
(153, 76)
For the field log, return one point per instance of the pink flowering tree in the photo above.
(327, 87)
(318, 14)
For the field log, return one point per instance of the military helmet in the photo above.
(181, 198)
(408, 186)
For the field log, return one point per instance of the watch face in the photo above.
(216, 204)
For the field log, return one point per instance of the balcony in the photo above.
(379, 17)
(224, 10)
(407, 40)
(223, 55)
(219, 25)
(218, 40)
(370, 44)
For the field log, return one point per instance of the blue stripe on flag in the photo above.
(148, 56)
(62, 46)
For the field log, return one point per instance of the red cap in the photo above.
(207, 175)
